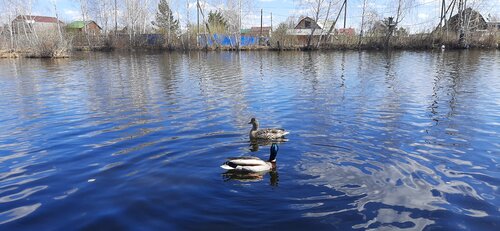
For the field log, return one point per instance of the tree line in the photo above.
(167, 24)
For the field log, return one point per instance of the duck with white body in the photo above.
(251, 164)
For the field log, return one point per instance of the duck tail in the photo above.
(226, 166)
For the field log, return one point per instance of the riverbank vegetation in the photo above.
(137, 28)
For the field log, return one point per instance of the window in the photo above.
(307, 24)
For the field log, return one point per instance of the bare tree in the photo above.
(84, 10)
(403, 7)
(137, 15)
(317, 9)
(362, 24)
(324, 24)
(101, 12)
(57, 18)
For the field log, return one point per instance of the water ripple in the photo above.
(401, 140)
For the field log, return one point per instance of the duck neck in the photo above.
(255, 126)
(272, 157)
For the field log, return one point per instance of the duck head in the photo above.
(255, 124)
(273, 152)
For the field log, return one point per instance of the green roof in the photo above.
(78, 24)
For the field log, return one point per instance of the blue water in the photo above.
(133, 141)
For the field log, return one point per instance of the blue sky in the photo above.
(421, 14)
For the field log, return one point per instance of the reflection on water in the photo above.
(402, 140)
(255, 144)
(251, 177)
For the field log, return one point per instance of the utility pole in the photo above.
(260, 22)
(271, 22)
(116, 22)
(239, 30)
(198, 18)
(443, 5)
(334, 22)
(345, 12)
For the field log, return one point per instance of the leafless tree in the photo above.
(316, 8)
(403, 7)
(362, 26)
(101, 11)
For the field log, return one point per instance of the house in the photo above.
(305, 27)
(494, 25)
(307, 23)
(81, 26)
(256, 31)
(34, 23)
(345, 31)
(377, 28)
(476, 21)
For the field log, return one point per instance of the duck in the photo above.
(265, 133)
(252, 164)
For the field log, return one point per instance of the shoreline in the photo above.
(9, 54)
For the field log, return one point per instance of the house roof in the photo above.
(308, 19)
(37, 18)
(325, 25)
(80, 24)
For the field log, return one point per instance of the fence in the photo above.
(231, 40)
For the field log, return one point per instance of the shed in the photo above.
(31, 23)
(79, 26)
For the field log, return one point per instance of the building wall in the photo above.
(20, 27)
(92, 28)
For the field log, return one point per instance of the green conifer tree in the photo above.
(217, 22)
(165, 19)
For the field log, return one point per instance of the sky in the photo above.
(419, 14)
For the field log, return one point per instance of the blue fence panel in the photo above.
(228, 40)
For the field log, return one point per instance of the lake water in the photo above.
(134, 141)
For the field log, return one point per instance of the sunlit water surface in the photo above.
(120, 141)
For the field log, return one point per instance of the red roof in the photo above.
(38, 18)
(346, 31)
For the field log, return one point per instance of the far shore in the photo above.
(10, 54)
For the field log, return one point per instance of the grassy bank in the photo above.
(56, 46)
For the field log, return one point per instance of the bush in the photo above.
(49, 45)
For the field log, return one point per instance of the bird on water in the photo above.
(265, 133)
(252, 164)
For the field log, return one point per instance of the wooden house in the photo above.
(81, 26)
(34, 23)
(474, 18)
(307, 23)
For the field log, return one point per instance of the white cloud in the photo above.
(71, 14)
(423, 16)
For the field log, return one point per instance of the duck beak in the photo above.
(250, 122)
